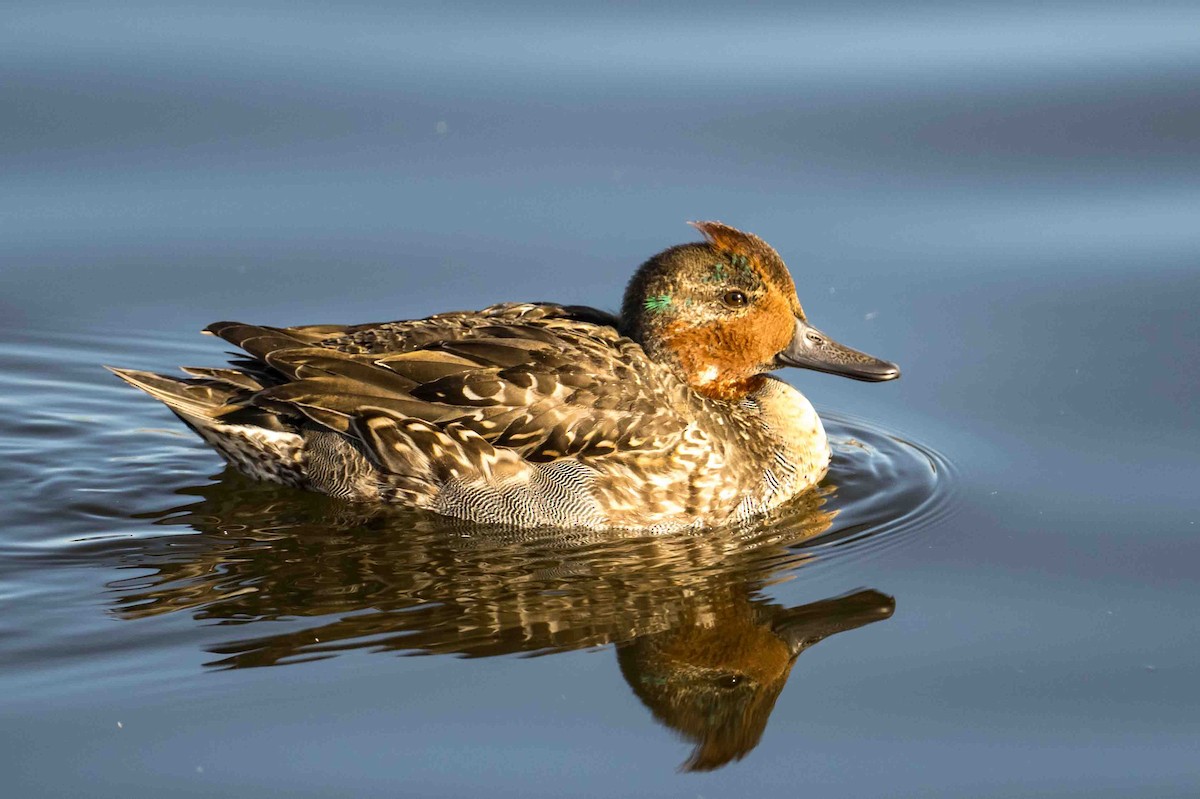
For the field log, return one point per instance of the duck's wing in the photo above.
(546, 382)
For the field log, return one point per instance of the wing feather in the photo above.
(544, 381)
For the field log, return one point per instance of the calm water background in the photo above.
(1003, 198)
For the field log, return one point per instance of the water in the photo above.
(1000, 198)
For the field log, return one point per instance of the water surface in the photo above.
(1002, 564)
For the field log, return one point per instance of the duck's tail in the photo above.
(193, 400)
(253, 440)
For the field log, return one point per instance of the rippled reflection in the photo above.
(715, 674)
(696, 640)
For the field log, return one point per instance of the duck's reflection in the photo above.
(695, 639)
(715, 676)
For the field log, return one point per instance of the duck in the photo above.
(535, 414)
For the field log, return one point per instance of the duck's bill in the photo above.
(803, 626)
(812, 349)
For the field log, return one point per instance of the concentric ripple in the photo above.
(885, 488)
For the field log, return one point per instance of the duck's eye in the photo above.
(735, 299)
(730, 681)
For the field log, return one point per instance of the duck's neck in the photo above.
(791, 421)
(703, 364)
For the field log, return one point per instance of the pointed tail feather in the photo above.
(253, 440)
(199, 400)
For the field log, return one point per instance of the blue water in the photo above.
(1002, 198)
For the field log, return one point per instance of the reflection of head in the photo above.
(715, 676)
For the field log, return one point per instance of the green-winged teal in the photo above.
(533, 414)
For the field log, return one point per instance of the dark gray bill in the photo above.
(812, 349)
(803, 626)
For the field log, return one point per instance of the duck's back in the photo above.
(507, 320)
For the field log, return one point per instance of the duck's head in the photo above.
(723, 312)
